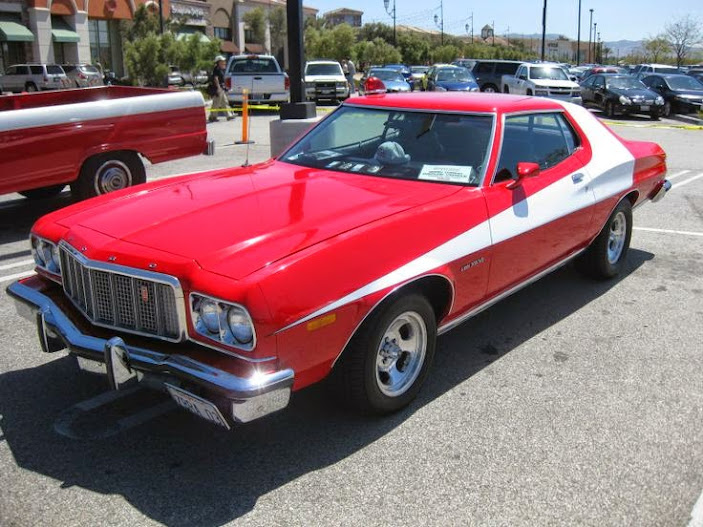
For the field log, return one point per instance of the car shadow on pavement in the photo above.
(18, 215)
(180, 471)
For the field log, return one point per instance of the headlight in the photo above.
(625, 100)
(46, 255)
(222, 322)
(659, 100)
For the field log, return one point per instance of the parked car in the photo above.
(423, 86)
(621, 94)
(392, 79)
(600, 69)
(230, 289)
(110, 78)
(642, 70)
(681, 93)
(451, 78)
(489, 73)
(260, 75)
(696, 74)
(94, 139)
(325, 80)
(465, 63)
(418, 74)
(542, 80)
(179, 78)
(83, 75)
(34, 77)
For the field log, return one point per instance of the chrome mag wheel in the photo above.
(401, 354)
(617, 236)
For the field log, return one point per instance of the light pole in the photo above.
(161, 16)
(599, 50)
(590, 28)
(439, 21)
(578, 39)
(544, 28)
(595, 27)
(386, 4)
(472, 27)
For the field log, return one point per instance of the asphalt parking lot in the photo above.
(571, 402)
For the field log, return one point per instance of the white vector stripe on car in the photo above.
(610, 172)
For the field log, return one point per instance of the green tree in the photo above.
(143, 23)
(278, 28)
(343, 38)
(144, 58)
(256, 21)
(371, 32)
(414, 48)
(655, 48)
(376, 52)
(446, 53)
(682, 35)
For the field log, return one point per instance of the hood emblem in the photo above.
(144, 293)
(111, 258)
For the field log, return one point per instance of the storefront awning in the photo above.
(203, 38)
(14, 32)
(254, 48)
(228, 46)
(61, 32)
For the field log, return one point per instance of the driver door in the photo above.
(542, 219)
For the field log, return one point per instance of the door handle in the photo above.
(577, 178)
(257, 78)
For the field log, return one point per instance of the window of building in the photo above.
(100, 43)
(223, 33)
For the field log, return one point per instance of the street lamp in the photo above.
(472, 27)
(578, 39)
(544, 28)
(439, 21)
(391, 12)
(590, 28)
(595, 27)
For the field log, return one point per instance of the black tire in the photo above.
(490, 88)
(601, 260)
(654, 116)
(30, 87)
(358, 377)
(506, 89)
(43, 193)
(108, 172)
(529, 93)
(609, 109)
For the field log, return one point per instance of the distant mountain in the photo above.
(624, 47)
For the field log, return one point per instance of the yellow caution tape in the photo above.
(660, 126)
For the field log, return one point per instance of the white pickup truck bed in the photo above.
(260, 75)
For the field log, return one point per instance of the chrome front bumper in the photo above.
(242, 399)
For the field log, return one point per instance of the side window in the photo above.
(22, 70)
(521, 73)
(546, 139)
(12, 70)
(483, 67)
(588, 82)
(506, 68)
(37, 70)
(598, 81)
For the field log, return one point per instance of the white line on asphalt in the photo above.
(667, 231)
(686, 181)
(697, 513)
(16, 276)
(674, 176)
(16, 264)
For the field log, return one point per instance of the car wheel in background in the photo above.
(387, 360)
(529, 93)
(30, 87)
(654, 116)
(610, 109)
(490, 88)
(43, 193)
(605, 257)
(108, 172)
(506, 89)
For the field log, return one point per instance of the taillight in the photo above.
(82, 75)
(46, 79)
(286, 83)
(374, 86)
(228, 83)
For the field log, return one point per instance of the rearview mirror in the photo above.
(524, 170)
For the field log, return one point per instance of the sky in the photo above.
(616, 19)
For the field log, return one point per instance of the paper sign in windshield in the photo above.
(447, 173)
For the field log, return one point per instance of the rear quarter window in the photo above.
(503, 68)
(53, 69)
(36, 70)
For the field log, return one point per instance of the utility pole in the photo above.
(578, 39)
(386, 4)
(493, 32)
(595, 27)
(161, 16)
(590, 28)
(599, 50)
(544, 28)
(466, 27)
(439, 21)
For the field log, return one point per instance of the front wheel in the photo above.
(606, 256)
(108, 172)
(386, 362)
(490, 88)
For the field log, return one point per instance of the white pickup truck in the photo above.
(545, 80)
(261, 75)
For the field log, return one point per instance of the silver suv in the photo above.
(34, 77)
(83, 75)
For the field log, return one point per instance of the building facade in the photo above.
(344, 16)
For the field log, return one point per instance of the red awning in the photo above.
(228, 47)
(254, 48)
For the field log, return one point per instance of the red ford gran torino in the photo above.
(392, 221)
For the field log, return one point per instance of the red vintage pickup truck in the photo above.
(92, 139)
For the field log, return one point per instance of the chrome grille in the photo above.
(115, 299)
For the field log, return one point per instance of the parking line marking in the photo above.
(697, 513)
(16, 276)
(16, 264)
(687, 181)
(674, 176)
(667, 231)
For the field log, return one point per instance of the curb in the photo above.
(689, 119)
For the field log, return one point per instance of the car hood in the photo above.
(457, 86)
(325, 78)
(555, 83)
(638, 92)
(692, 94)
(236, 221)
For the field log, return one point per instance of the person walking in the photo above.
(351, 71)
(216, 89)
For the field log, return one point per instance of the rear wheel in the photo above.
(31, 87)
(490, 88)
(529, 92)
(43, 193)
(606, 256)
(109, 172)
(386, 362)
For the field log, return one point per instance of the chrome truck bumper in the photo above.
(242, 399)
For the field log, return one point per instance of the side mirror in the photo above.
(524, 170)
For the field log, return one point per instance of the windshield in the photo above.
(323, 69)
(253, 65)
(444, 148)
(454, 75)
(419, 69)
(625, 83)
(554, 74)
(665, 69)
(386, 75)
(398, 67)
(90, 69)
(684, 83)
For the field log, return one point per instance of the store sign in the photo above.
(193, 14)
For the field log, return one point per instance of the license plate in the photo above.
(197, 405)
(57, 79)
(644, 108)
(326, 92)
